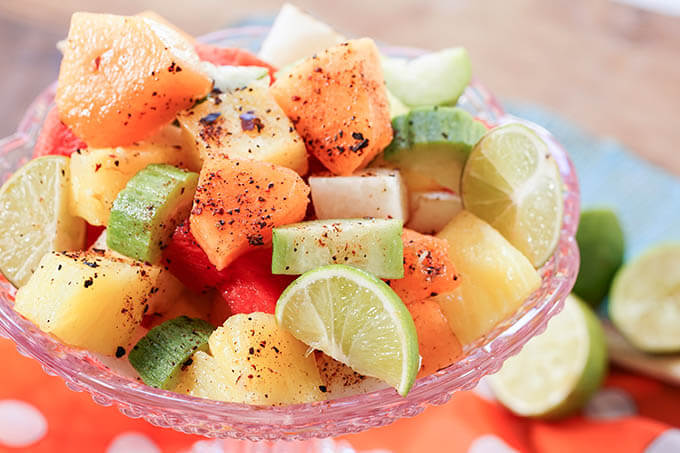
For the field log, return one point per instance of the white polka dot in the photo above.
(489, 443)
(610, 403)
(130, 442)
(21, 424)
(667, 442)
(483, 390)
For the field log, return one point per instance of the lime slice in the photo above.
(512, 181)
(557, 371)
(356, 319)
(644, 302)
(35, 217)
(600, 241)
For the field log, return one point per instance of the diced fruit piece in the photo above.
(147, 211)
(230, 56)
(87, 299)
(92, 234)
(340, 381)
(35, 217)
(428, 271)
(644, 302)
(56, 138)
(437, 344)
(431, 211)
(338, 103)
(397, 108)
(512, 182)
(495, 278)
(166, 289)
(373, 245)
(356, 319)
(250, 286)
(108, 101)
(376, 192)
(601, 245)
(162, 353)
(230, 78)
(183, 302)
(227, 221)
(253, 360)
(98, 174)
(433, 79)
(189, 263)
(245, 124)
(556, 372)
(149, 14)
(435, 142)
(295, 35)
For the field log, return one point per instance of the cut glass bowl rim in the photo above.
(83, 372)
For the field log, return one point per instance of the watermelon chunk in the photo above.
(231, 56)
(187, 261)
(56, 138)
(250, 286)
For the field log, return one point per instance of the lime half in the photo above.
(644, 302)
(35, 217)
(557, 371)
(512, 181)
(356, 319)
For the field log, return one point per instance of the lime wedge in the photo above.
(35, 217)
(601, 244)
(512, 181)
(644, 302)
(356, 319)
(557, 371)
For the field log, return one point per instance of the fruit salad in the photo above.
(314, 221)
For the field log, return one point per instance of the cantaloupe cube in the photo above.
(495, 278)
(87, 299)
(122, 78)
(437, 344)
(239, 202)
(253, 360)
(247, 124)
(338, 103)
(98, 174)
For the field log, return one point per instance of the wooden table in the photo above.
(613, 69)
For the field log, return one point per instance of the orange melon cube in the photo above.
(239, 202)
(338, 103)
(437, 344)
(122, 78)
(428, 270)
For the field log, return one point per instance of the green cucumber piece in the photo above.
(147, 210)
(373, 245)
(434, 141)
(162, 353)
(438, 78)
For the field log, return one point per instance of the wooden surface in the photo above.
(613, 69)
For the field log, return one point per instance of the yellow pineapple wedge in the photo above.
(88, 299)
(253, 360)
(247, 124)
(496, 277)
(98, 174)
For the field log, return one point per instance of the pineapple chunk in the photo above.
(87, 299)
(253, 360)
(245, 123)
(98, 174)
(496, 278)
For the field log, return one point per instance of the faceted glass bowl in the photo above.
(84, 372)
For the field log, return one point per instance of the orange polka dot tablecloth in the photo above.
(631, 414)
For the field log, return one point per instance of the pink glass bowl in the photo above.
(84, 372)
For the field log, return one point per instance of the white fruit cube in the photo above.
(374, 192)
(431, 211)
